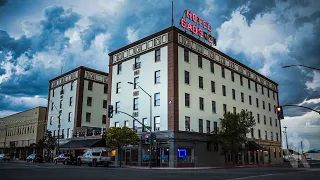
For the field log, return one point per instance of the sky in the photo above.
(38, 37)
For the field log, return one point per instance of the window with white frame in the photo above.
(69, 117)
(157, 99)
(117, 106)
(135, 103)
(136, 82)
(157, 77)
(157, 123)
(118, 87)
(187, 123)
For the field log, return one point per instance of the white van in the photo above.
(94, 157)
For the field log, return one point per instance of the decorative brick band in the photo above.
(141, 48)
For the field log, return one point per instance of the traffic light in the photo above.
(280, 112)
(154, 138)
(110, 111)
(147, 139)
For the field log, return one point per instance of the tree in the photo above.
(232, 134)
(49, 143)
(118, 137)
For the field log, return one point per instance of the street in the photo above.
(39, 171)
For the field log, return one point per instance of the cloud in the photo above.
(4, 113)
(132, 35)
(26, 101)
(3, 2)
(315, 83)
(306, 127)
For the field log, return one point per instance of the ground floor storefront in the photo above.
(21, 153)
(188, 149)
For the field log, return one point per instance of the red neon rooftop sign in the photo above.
(197, 26)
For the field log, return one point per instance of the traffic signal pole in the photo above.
(149, 128)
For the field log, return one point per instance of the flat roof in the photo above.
(173, 28)
(80, 67)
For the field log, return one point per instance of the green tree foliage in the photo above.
(232, 133)
(118, 137)
(49, 143)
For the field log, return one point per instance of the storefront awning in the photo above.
(254, 146)
(84, 143)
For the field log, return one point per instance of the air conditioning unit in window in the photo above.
(157, 129)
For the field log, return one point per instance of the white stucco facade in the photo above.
(139, 60)
(195, 92)
(74, 107)
(147, 82)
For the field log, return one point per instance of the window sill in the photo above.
(187, 106)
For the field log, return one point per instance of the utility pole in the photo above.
(285, 131)
(59, 124)
(301, 150)
(150, 146)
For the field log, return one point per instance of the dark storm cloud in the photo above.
(17, 47)
(3, 2)
(97, 27)
(48, 36)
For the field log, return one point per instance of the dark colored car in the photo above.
(5, 157)
(65, 159)
(35, 158)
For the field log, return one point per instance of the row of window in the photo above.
(212, 69)
(201, 103)
(88, 118)
(89, 103)
(61, 102)
(137, 61)
(265, 135)
(18, 131)
(57, 133)
(90, 88)
(136, 81)
(156, 123)
(215, 128)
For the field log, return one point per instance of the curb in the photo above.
(203, 168)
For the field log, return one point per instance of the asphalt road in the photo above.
(49, 171)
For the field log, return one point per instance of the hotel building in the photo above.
(191, 85)
(80, 97)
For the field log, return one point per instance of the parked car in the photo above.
(5, 157)
(94, 157)
(30, 157)
(65, 159)
(35, 158)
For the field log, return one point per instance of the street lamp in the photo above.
(59, 124)
(150, 147)
(301, 66)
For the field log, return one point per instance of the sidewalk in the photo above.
(216, 167)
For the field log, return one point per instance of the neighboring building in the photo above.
(192, 85)
(80, 96)
(20, 133)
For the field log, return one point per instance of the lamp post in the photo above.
(301, 66)
(150, 147)
(59, 124)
